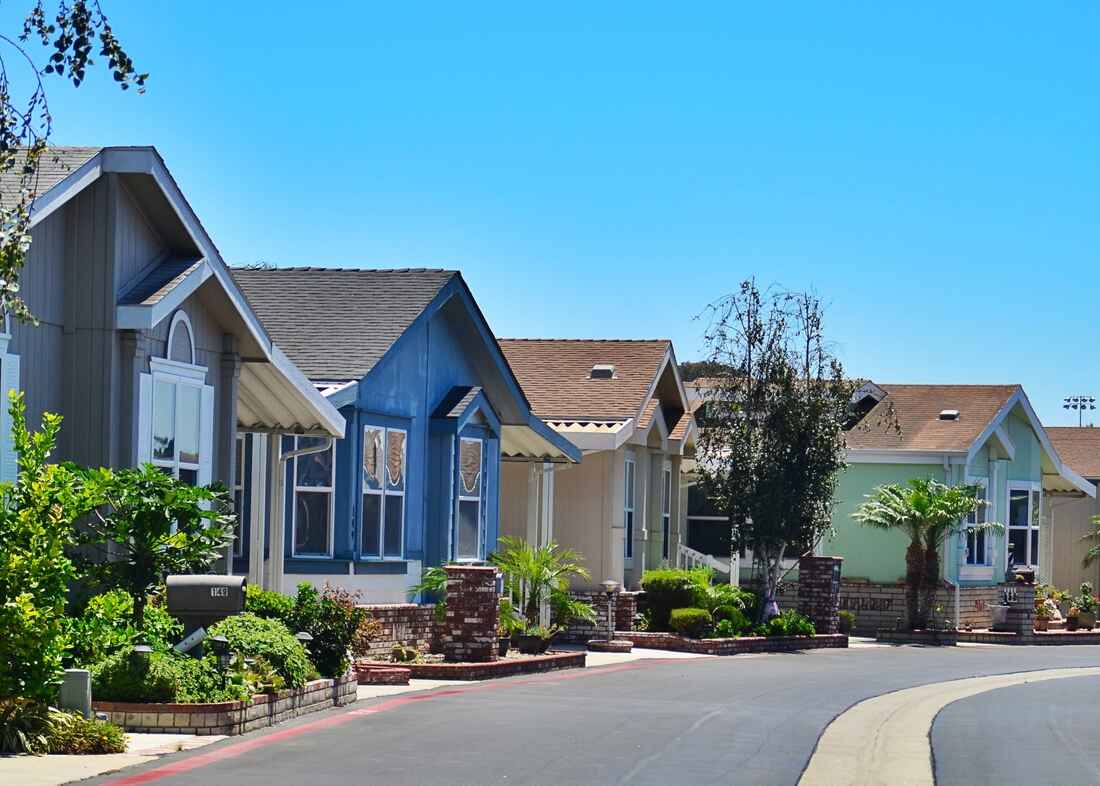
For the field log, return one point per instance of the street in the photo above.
(742, 720)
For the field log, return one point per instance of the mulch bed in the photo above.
(503, 667)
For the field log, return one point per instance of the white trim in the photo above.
(383, 492)
(181, 318)
(987, 558)
(887, 456)
(1030, 486)
(71, 185)
(665, 509)
(330, 489)
(133, 316)
(630, 495)
(1001, 433)
(173, 368)
(868, 389)
(462, 496)
(669, 359)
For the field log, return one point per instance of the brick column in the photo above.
(1021, 609)
(473, 605)
(819, 591)
(626, 606)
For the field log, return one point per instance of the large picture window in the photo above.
(471, 464)
(1023, 524)
(666, 510)
(628, 505)
(978, 552)
(384, 479)
(314, 497)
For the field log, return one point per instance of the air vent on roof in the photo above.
(602, 371)
(949, 414)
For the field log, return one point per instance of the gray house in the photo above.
(145, 345)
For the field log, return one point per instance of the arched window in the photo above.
(181, 341)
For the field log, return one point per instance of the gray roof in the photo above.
(158, 282)
(336, 323)
(55, 164)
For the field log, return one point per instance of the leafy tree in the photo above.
(773, 446)
(74, 32)
(926, 510)
(150, 525)
(691, 370)
(36, 526)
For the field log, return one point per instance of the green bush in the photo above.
(667, 589)
(24, 726)
(162, 677)
(724, 629)
(254, 637)
(71, 733)
(106, 626)
(334, 620)
(268, 603)
(847, 622)
(789, 623)
(690, 622)
(736, 618)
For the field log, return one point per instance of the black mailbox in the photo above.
(200, 601)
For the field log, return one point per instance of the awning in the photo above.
(536, 441)
(274, 396)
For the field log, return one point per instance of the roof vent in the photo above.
(949, 414)
(602, 371)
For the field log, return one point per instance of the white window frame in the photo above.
(330, 489)
(666, 510)
(190, 377)
(1033, 520)
(384, 492)
(239, 447)
(463, 497)
(181, 318)
(630, 506)
(984, 569)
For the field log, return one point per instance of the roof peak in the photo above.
(590, 340)
(305, 268)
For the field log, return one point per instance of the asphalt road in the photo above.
(740, 720)
(1045, 733)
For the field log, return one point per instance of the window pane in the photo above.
(1017, 511)
(311, 523)
(469, 513)
(1034, 548)
(372, 457)
(164, 421)
(372, 525)
(238, 471)
(189, 476)
(1036, 500)
(181, 344)
(665, 536)
(395, 460)
(395, 513)
(469, 467)
(314, 469)
(238, 530)
(1017, 543)
(629, 534)
(189, 401)
(630, 484)
(666, 493)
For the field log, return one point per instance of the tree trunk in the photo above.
(914, 583)
(931, 583)
(769, 607)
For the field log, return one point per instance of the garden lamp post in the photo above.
(609, 588)
(304, 638)
(219, 645)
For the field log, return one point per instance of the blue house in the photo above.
(432, 409)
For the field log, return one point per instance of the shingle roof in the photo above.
(917, 409)
(55, 164)
(554, 373)
(160, 281)
(336, 323)
(1079, 448)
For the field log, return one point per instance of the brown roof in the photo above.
(554, 373)
(916, 412)
(1079, 448)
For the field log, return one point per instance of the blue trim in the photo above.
(388, 567)
(321, 566)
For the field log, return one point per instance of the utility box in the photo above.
(200, 601)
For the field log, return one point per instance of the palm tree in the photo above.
(534, 575)
(926, 510)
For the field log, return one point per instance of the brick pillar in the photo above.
(473, 605)
(626, 605)
(1021, 609)
(819, 591)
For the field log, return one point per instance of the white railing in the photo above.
(689, 558)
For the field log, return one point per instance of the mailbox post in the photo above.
(200, 601)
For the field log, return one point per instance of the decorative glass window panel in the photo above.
(382, 534)
(372, 457)
(468, 530)
(470, 468)
(395, 459)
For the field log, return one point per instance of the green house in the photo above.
(986, 435)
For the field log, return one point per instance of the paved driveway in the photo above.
(743, 719)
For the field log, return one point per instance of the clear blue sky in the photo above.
(933, 172)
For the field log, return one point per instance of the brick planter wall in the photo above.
(409, 624)
(503, 667)
(230, 717)
(819, 591)
(625, 605)
(1021, 609)
(470, 629)
(746, 644)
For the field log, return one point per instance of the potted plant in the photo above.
(535, 640)
(1072, 618)
(1086, 605)
(509, 625)
(1043, 613)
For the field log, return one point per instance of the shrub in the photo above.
(71, 733)
(36, 526)
(736, 618)
(333, 619)
(847, 621)
(268, 603)
(789, 623)
(724, 629)
(690, 621)
(162, 677)
(256, 637)
(667, 589)
(24, 726)
(106, 626)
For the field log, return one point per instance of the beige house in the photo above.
(1071, 513)
(623, 404)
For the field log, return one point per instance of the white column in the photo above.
(547, 517)
(534, 478)
(258, 511)
(278, 517)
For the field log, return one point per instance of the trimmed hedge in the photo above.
(161, 677)
(666, 589)
(271, 640)
(690, 622)
(736, 618)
